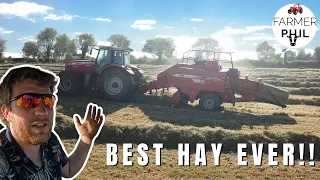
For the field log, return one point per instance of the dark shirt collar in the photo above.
(9, 136)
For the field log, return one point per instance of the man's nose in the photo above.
(41, 110)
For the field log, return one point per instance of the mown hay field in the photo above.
(148, 119)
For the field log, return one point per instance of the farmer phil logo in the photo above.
(294, 26)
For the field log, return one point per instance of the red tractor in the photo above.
(110, 73)
(295, 9)
(207, 81)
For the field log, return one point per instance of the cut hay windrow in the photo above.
(171, 135)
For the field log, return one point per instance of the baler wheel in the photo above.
(210, 102)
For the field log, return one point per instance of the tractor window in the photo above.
(118, 57)
(103, 58)
(126, 58)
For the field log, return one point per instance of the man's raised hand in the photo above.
(90, 127)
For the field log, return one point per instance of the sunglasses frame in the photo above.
(37, 95)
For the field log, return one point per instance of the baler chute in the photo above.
(207, 81)
(272, 95)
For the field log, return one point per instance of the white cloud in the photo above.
(7, 32)
(24, 38)
(82, 17)
(27, 38)
(258, 34)
(12, 54)
(55, 17)
(101, 19)
(196, 19)
(168, 27)
(229, 44)
(234, 31)
(26, 10)
(77, 33)
(3, 31)
(23, 9)
(262, 36)
(30, 19)
(143, 24)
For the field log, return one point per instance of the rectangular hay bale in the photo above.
(273, 95)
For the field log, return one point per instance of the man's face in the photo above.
(26, 124)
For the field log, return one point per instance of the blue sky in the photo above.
(238, 25)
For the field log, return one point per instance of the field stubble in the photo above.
(148, 119)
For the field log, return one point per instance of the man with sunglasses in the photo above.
(29, 147)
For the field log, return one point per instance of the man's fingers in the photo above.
(93, 116)
(89, 111)
(95, 113)
(77, 120)
(98, 114)
(101, 119)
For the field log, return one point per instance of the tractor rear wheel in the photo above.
(69, 83)
(210, 102)
(115, 84)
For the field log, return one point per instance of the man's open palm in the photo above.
(93, 122)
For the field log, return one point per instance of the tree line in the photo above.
(51, 45)
(266, 52)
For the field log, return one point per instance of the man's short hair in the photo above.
(19, 74)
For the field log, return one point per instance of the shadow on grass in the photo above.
(191, 115)
(157, 109)
(171, 135)
(225, 119)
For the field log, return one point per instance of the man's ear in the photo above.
(5, 111)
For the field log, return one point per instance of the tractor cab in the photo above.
(110, 55)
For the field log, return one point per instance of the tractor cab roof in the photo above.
(115, 48)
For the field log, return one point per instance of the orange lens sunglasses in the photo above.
(32, 100)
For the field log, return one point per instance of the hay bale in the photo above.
(272, 95)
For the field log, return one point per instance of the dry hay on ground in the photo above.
(149, 119)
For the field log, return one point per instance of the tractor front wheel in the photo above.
(210, 102)
(69, 83)
(115, 84)
(289, 11)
